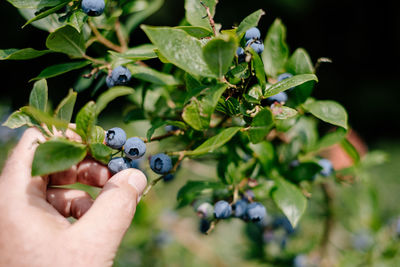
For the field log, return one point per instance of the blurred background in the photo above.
(363, 41)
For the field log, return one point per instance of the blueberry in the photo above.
(134, 148)
(115, 138)
(161, 163)
(240, 208)
(222, 210)
(241, 55)
(255, 211)
(171, 128)
(327, 167)
(280, 97)
(119, 76)
(93, 8)
(204, 226)
(283, 222)
(205, 210)
(252, 33)
(135, 163)
(284, 76)
(168, 177)
(257, 45)
(118, 164)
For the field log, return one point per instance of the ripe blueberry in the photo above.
(283, 222)
(280, 97)
(327, 167)
(204, 226)
(205, 210)
(252, 33)
(241, 55)
(161, 163)
(284, 76)
(240, 208)
(255, 211)
(257, 45)
(119, 76)
(168, 177)
(222, 210)
(93, 8)
(118, 164)
(115, 138)
(134, 148)
(171, 128)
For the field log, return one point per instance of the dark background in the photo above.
(361, 38)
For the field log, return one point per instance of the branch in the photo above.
(210, 18)
(101, 39)
(212, 226)
(121, 39)
(96, 61)
(156, 138)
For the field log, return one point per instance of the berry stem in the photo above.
(212, 226)
(95, 61)
(121, 39)
(150, 186)
(101, 39)
(210, 18)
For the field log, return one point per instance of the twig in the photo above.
(150, 186)
(321, 60)
(210, 18)
(121, 39)
(212, 226)
(94, 60)
(101, 39)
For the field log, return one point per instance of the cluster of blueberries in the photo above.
(134, 148)
(243, 209)
(93, 8)
(119, 76)
(253, 39)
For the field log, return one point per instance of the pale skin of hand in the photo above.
(34, 230)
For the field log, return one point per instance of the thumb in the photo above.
(106, 222)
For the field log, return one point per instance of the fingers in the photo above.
(112, 212)
(69, 202)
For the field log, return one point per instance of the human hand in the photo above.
(34, 230)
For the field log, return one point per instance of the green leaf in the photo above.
(142, 52)
(219, 53)
(67, 40)
(192, 189)
(276, 50)
(195, 12)
(215, 142)
(289, 83)
(59, 69)
(249, 22)
(42, 117)
(134, 20)
(34, 4)
(198, 113)
(300, 63)
(304, 171)
(331, 138)
(57, 155)
(38, 96)
(198, 32)
(283, 113)
(110, 95)
(180, 49)
(261, 126)
(85, 121)
(46, 13)
(77, 19)
(18, 119)
(100, 152)
(153, 76)
(328, 111)
(350, 150)
(66, 107)
(259, 69)
(289, 199)
(97, 135)
(161, 123)
(22, 54)
(265, 153)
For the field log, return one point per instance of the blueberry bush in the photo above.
(226, 94)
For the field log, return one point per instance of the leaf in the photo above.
(38, 96)
(153, 76)
(264, 152)
(198, 32)
(42, 117)
(142, 52)
(21, 54)
(249, 22)
(180, 49)
(261, 126)
(97, 135)
(100, 152)
(300, 63)
(110, 95)
(85, 121)
(259, 69)
(331, 138)
(219, 53)
(283, 113)
(195, 12)
(67, 40)
(304, 171)
(18, 119)
(46, 13)
(198, 113)
(194, 188)
(276, 50)
(350, 150)
(77, 19)
(161, 123)
(289, 199)
(134, 20)
(66, 107)
(57, 155)
(34, 4)
(215, 142)
(328, 111)
(59, 69)
(289, 83)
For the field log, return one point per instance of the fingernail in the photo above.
(138, 181)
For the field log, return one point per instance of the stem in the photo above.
(329, 221)
(150, 186)
(212, 226)
(121, 39)
(210, 18)
(95, 61)
(101, 39)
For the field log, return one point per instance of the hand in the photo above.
(34, 230)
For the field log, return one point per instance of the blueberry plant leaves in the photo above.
(110, 95)
(100, 152)
(18, 119)
(249, 22)
(67, 40)
(300, 63)
(258, 68)
(85, 121)
(142, 52)
(57, 155)
(150, 75)
(261, 125)
(289, 83)
(136, 18)
(77, 19)
(34, 4)
(328, 111)
(66, 107)
(195, 12)
(197, 32)
(194, 188)
(38, 96)
(44, 118)
(59, 69)
(21, 54)
(47, 12)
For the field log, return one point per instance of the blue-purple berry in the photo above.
(161, 163)
(134, 148)
(118, 164)
(222, 210)
(119, 76)
(240, 208)
(280, 98)
(252, 33)
(257, 45)
(115, 138)
(255, 211)
(93, 8)
(327, 167)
